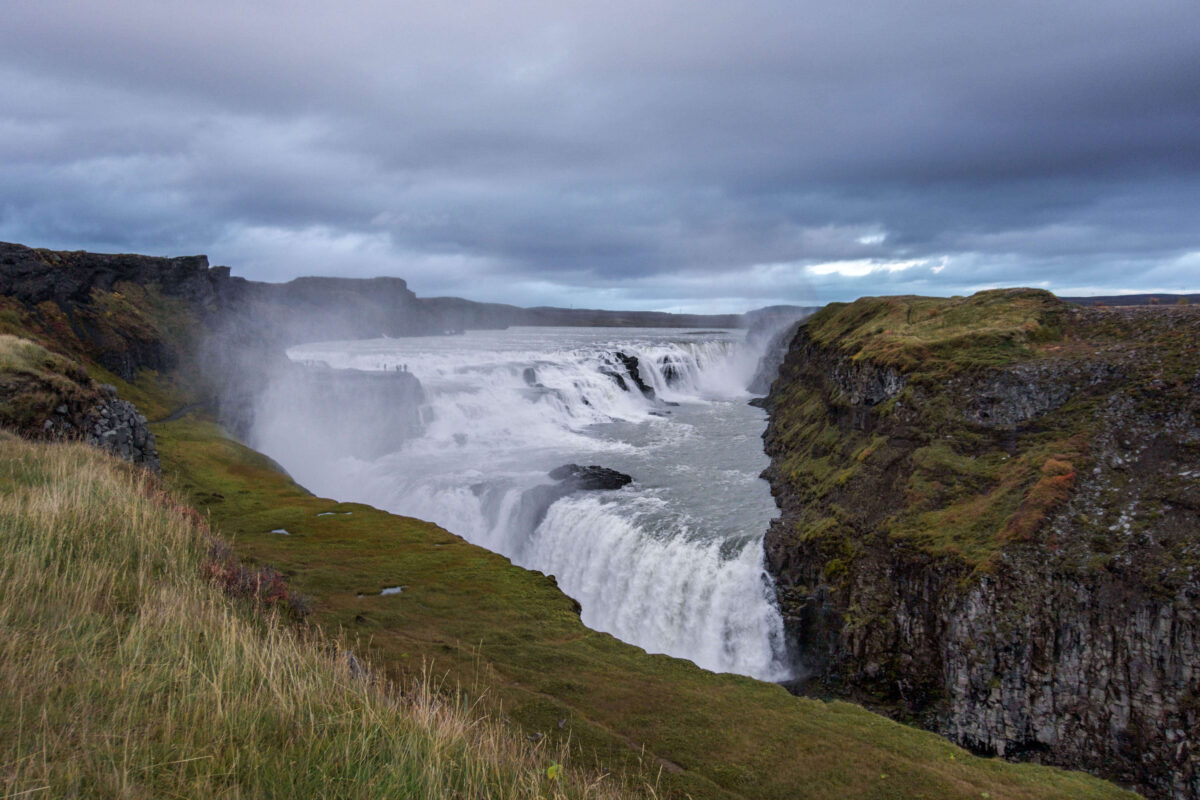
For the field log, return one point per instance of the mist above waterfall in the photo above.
(673, 562)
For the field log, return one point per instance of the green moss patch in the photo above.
(916, 467)
(941, 336)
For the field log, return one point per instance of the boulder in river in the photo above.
(591, 478)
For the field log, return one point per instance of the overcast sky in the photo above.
(684, 156)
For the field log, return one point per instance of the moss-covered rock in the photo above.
(49, 396)
(990, 525)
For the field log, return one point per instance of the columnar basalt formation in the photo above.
(991, 524)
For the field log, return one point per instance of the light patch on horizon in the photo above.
(860, 268)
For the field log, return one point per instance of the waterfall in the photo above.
(672, 563)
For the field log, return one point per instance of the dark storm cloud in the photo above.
(661, 155)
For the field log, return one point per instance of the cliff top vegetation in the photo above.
(941, 336)
(34, 382)
(962, 425)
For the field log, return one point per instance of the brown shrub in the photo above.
(1050, 492)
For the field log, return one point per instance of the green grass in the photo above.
(939, 336)
(483, 622)
(123, 673)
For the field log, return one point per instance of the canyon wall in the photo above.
(991, 524)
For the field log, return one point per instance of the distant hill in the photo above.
(304, 309)
(455, 313)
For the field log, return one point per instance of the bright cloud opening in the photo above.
(859, 268)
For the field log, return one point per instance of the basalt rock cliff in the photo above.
(991, 524)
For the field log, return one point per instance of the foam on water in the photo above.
(662, 589)
(672, 563)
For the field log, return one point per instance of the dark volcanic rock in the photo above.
(633, 367)
(617, 377)
(1005, 399)
(79, 295)
(592, 478)
(68, 278)
(95, 414)
(997, 540)
(571, 478)
(115, 426)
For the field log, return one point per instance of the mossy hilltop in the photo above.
(990, 522)
(506, 636)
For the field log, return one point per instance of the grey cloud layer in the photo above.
(643, 154)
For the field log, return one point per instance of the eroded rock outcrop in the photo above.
(115, 426)
(632, 373)
(125, 312)
(991, 525)
(96, 415)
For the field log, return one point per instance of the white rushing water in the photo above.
(672, 563)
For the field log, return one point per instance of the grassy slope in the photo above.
(487, 623)
(124, 673)
(935, 337)
(34, 381)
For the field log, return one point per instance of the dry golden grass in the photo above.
(123, 673)
(33, 381)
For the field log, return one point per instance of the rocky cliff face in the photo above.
(115, 426)
(127, 312)
(991, 525)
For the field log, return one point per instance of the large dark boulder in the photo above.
(571, 478)
(593, 478)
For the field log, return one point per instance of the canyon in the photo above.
(988, 524)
